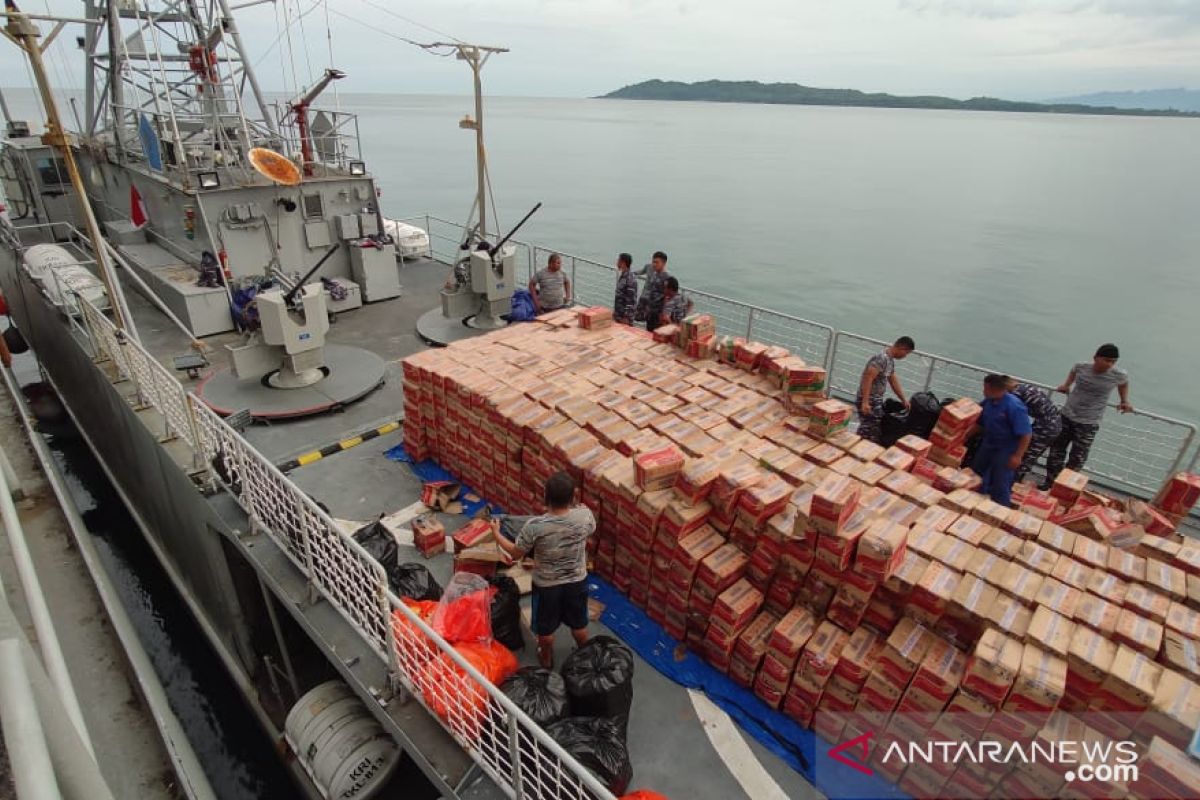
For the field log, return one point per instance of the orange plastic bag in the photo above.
(465, 611)
(643, 794)
(455, 696)
(413, 646)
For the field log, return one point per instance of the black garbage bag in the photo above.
(379, 543)
(506, 612)
(599, 678)
(599, 745)
(414, 581)
(923, 411)
(538, 692)
(219, 465)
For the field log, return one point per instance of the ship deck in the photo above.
(670, 749)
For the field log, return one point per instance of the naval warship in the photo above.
(207, 281)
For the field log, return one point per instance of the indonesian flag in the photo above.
(137, 208)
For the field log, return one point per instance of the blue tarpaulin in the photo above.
(799, 747)
(430, 470)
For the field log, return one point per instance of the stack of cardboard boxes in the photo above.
(854, 587)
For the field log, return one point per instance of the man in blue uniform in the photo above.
(1006, 431)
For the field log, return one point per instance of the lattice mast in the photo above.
(176, 70)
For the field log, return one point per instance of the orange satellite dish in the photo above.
(275, 166)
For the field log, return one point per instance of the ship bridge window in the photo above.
(314, 206)
(52, 172)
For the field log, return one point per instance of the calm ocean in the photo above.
(1014, 241)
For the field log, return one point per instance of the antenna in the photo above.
(476, 56)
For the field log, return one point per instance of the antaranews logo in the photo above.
(862, 742)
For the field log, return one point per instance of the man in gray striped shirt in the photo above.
(557, 540)
(550, 287)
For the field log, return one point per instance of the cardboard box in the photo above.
(737, 606)
(1050, 630)
(1058, 597)
(906, 648)
(1164, 771)
(474, 533)
(1174, 712)
(1097, 613)
(1142, 634)
(1040, 682)
(881, 549)
(1071, 572)
(992, 666)
(1068, 485)
(1020, 583)
(1011, 616)
(1130, 684)
(1167, 579)
(1089, 657)
(1001, 542)
(790, 636)
(1179, 494)
(1147, 602)
(657, 469)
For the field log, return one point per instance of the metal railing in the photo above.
(506, 744)
(1133, 452)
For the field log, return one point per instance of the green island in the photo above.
(715, 91)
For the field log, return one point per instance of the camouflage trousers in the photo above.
(1075, 436)
(870, 426)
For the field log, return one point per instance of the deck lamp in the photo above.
(358, 168)
(208, 180)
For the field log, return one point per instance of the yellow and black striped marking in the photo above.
(337, 447)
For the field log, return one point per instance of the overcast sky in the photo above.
(1021, 49)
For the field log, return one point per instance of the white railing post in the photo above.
(929, 373)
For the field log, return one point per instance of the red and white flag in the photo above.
(137, 208)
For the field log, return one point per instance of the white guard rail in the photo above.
(508, 746)
(1134, 452)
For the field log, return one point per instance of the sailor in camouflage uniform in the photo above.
(650, 306)
(625, 299)
(1047, 422)
(878, 374)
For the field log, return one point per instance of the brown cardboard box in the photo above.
(1131, 682)
(1089, 658)
(791, 635)
(1097, 613)
(858, 657)
(1023, 525)
(1126, 565)
(1059, 597)
(820, 656)
(1174, 712)
(881, 549)
(987, 565)
(1164, 771)
(907, 574)
(1183, 619)
(1147, 602)
(906, 648)
(931, 596)
(1050, 631)
(1071, 572)
(962, 501)
(992, 666)
(991, 512)
(1165, 578)
(954, 553)
(737, 606)
(833, 503)
(1011, 616)
(939, 518)
(1037, 558)
(1108, 586)
(1142, 634)
(1056, 537)
(1021, 583)
(1002, 542)
(969, 529)
(1040, 682)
